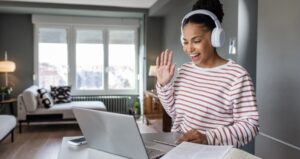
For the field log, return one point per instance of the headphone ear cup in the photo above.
(181, 39)
(217, 37)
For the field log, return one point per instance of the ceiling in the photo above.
(110, 3)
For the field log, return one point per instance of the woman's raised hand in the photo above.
(164, 67)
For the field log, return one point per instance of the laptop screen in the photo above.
(111, 132)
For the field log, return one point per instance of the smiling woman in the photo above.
(212, 100)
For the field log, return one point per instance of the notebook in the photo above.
(190, 150)
(113, 133)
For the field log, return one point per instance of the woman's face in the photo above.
(197, 44)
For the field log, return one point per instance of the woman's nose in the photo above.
(190, 48)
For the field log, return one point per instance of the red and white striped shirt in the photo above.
(219, 102)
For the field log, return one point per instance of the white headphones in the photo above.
(217, 35)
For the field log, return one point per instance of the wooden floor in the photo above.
(43, 141)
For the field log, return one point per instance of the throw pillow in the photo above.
(45, 98)
(61, 94)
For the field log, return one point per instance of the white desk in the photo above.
(68, 151)
(83, 152)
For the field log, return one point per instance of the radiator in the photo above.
(117, 104)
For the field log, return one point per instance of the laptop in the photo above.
(113, 133)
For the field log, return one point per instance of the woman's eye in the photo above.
(197, 41)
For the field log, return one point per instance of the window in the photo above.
(93, 59)
(121, 71)
(89, 60)
(53, 57)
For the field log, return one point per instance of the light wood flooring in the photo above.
(43, 141)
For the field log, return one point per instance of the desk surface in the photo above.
(83, 152)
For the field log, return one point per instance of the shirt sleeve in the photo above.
(245, 116)
(166, 97)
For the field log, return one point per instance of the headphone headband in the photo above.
(218, 34)
(201, 11)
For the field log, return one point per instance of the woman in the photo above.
(212, 100)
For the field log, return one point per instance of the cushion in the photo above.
(61, 94)
(30, 98)
(97, 105)
(45, 98)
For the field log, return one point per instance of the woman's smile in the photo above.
(195, 57)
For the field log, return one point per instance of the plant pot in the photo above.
(4, 96)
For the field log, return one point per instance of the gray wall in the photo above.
(16, 37)
(230, 25)
(278, 86)
(247, 36)
(154, 45)
(171, 36)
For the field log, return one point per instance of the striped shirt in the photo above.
(219, 102)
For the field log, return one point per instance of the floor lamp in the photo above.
(7, 66)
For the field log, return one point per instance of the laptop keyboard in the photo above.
(154, 153)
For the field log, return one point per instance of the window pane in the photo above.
(52, 57)
(89, 59)
(121, 59)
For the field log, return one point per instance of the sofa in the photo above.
(7, 126)
(29, 109)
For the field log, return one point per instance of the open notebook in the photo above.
(189, 150)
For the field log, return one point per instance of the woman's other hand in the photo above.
(193, 136)
(164, 67)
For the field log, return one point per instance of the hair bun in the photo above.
(214, 6)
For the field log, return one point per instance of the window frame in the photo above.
(36, 48)
(72, 57)
(71, 42)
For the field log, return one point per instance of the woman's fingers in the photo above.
(166, 54)
(190, 136)
(170, 57)
(165, 59)
(198, 141)
(164, 67)
(169, 61)
(184, 137)
(161, 59)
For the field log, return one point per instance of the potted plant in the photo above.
(136, 106)
(5, 92)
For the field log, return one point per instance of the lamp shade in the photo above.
(7, 66)
(152, 70)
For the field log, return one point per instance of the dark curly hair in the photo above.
(214, 6)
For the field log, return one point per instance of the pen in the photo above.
(165, 143)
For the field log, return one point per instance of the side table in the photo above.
(9, 102)
(153, 109)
